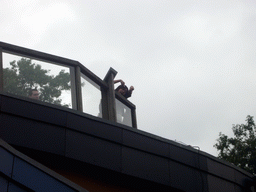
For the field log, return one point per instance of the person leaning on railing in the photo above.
(123, 89)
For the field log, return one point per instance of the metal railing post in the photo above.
(111, 104)
(79, 100)
(1, 71)
(134, 120)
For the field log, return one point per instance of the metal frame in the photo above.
(1, 70)
(76, 69)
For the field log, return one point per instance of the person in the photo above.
(33, 94)
(122, 114)
(123, 89)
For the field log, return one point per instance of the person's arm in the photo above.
(129, 92)
(119, 80)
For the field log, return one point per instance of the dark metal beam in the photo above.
(1, 71)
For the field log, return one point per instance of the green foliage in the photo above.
(24, 75)
(240, 149)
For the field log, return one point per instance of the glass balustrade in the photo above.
(55, 80)
(22, 74)
(123, 113)
(91, 97)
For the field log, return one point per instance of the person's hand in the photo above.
(122, 82)
(131, 88)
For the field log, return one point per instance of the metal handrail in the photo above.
(78, 68)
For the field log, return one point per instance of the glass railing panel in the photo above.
(91, 97)
(123, 113)
(53, 81)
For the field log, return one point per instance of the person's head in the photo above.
(123, 90)
(33, 94)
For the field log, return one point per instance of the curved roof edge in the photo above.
(115, 147)
(12, 164)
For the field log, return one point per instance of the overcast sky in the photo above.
(192, 62)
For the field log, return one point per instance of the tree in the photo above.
(239, 150)
(24, 75)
